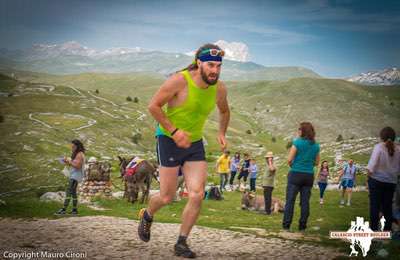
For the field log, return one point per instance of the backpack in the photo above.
(214, 194)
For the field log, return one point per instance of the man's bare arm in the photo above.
(166, 92)
(224, 114)
(292, 154)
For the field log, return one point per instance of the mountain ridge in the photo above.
(385, 77)
(73, 58)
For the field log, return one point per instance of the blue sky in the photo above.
(334, 38)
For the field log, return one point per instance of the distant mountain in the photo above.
(73, 58)
(385, 77)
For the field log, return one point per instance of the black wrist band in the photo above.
(173, 132)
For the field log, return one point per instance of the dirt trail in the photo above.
(103, 237)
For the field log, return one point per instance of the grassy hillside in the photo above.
(333, 106)
(39, 120)
(41, 113)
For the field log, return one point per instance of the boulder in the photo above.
(118, 194)
(58, 196)
(152, 192)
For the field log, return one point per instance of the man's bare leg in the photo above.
(342, 198)
(349, 192)
(195, 178)
(168, 179)
(168, 183)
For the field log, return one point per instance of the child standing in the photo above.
(323, 180)
(253, 174)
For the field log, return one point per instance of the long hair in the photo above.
(79, 148)
(388, 135)
(237, 155)
(193, 65)
(322, 166)
(307, 131)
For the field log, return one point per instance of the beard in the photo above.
(206, 78)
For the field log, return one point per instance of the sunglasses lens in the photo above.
(214, 52)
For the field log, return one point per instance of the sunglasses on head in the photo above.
(213, 52)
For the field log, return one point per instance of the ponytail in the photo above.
(388, 135)
(390, 146)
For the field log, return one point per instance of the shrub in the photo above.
(97, 91)
(128, 98)
(136, 100)
(136, 138)
(273, 139)
(289, 144)
(248, 132)
(339, 138)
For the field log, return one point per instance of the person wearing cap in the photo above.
(222, 166)
(269, 181)
(188, 98)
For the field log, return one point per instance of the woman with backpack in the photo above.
(323, 180)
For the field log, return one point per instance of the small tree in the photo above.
(136, 138)
(339, 138)
(248, 132)
(289, 144)
(136, 100)
(97, 91)
(129, 99)
(273, 139)
(1, 118)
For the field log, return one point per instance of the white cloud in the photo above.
(236, 51)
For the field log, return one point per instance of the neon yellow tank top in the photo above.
(192, 114)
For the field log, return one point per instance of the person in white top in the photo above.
(383, 171)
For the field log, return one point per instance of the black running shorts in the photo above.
(170, 155)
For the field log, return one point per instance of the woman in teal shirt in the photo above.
(303, 156)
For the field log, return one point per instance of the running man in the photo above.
(190, 95)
